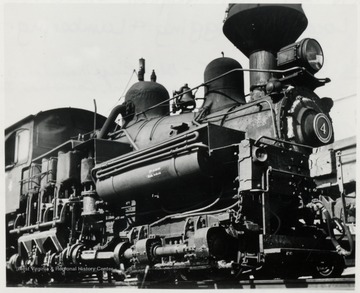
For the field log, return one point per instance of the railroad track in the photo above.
(337, 283)
(343, 283)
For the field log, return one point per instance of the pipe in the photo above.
(184, 215)
(95, 114)
(149, 152)
(169, 250)
(189, 138)
(119, 109)
(130, 139)
(281, 141)
(121, 167)
(28, 209)
(56, 197)
(243, 107)
(48, 224)
(43, 225)
(161, 152)
(281, 72)
(39, 209)
(340, 250)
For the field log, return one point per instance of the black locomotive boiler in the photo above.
(245, 184)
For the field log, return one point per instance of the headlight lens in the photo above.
(312, 53)
(306, 53)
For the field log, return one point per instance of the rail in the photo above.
(343, 283)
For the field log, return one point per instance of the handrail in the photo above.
(298, 68)
(281, 141)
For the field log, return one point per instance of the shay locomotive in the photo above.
(244, 184)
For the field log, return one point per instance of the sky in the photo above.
(66, 54)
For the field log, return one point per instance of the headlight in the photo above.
(306, 53)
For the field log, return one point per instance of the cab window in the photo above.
(17, 147)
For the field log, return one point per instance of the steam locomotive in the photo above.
(245, 184)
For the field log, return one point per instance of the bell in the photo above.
(186, 100)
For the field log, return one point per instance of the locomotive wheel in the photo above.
(328, 269)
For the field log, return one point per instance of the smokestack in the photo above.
(259, 31)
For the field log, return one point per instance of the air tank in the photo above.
(167, 177)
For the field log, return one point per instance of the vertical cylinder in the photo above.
(44, 171)
(48, 169)
(68, 170)
(141, 69)
(86, 166)
(261, 60)
(89, 203)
